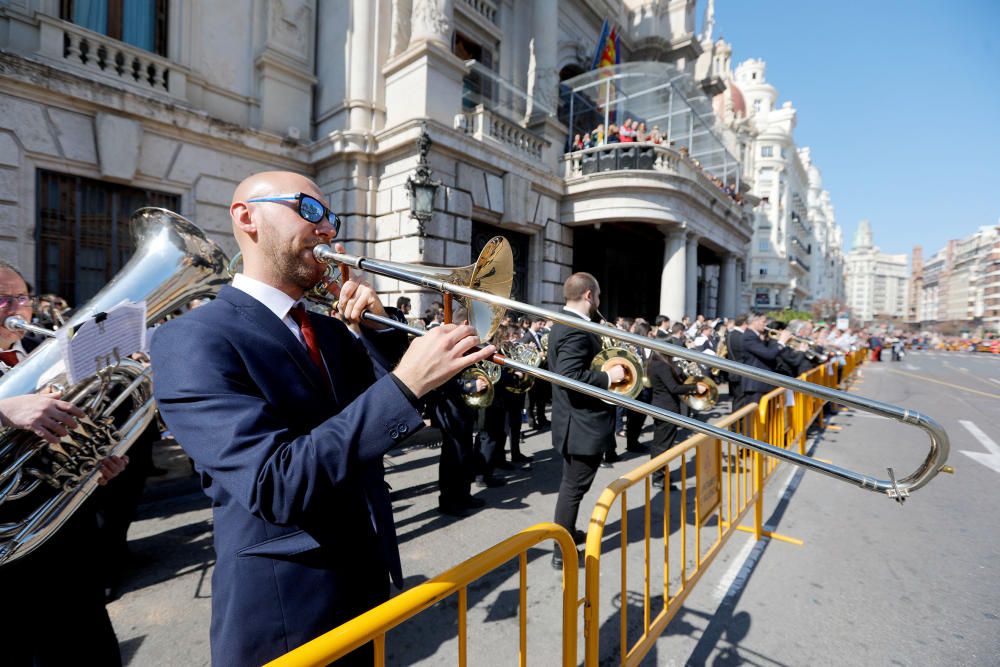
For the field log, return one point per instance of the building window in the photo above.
(141, 23)
(764, 245)
(763, 271)
(476, 88)
(756, 103)
(762, 297)
(82, 235)
(767, 151)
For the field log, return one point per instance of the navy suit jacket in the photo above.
(304, 536)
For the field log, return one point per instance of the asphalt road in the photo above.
(873, 583)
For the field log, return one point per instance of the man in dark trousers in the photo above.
(759, 352)
(734, 351)
(582, 426)
(287, 419)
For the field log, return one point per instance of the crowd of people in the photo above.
(286, 414)
(632, 131)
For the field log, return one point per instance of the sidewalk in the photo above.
(162, 616)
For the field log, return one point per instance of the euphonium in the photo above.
(41, 485)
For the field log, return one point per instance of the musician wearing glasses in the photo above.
(61, 577)
(287, 416)
(582, 426)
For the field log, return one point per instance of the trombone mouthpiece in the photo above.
(323, 253)
(14, 323)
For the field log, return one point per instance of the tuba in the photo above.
(42, 485)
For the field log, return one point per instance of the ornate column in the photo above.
(425, 79)
(691, 278)
(727, 286)
(673, 290)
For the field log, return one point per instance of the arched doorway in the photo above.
(627, 260)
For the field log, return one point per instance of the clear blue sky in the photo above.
(899, 100)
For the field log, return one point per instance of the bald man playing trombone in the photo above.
(287, 418)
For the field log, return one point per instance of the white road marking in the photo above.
(991, 459)
(963, 368)
(994, 380)
(724, 584)
(911, 367)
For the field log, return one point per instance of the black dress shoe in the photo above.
(533, 424)
(503, 465)
(451, 508)
(489, 482)
(521, 458)
(579, 536)
(635, 448)
(611, 457)
(557, 559)
(472, 503)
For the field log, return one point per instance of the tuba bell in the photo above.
(42, 485)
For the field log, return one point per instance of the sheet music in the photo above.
(102, 340)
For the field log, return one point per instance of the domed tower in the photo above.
(761, 95)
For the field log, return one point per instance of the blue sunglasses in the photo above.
(310, 209)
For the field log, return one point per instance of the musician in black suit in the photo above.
(582, 426)
(734, 351)
(668, 388)
(540, 392)
(662, 326)
(759, 352)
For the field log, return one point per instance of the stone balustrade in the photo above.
(485, 8)
(486, 125)
(109, 58)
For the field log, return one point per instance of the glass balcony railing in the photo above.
(655, 98)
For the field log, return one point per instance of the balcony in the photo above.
(102, 57)
(488, 126)
(644, 166)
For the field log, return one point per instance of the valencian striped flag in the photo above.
(607, 52)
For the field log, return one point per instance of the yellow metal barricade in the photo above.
(374, 624)
(727, 485)
(728, 482)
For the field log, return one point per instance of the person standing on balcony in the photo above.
(613, 135)
(627, 133)
(582, 426)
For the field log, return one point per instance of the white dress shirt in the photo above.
(273, 299)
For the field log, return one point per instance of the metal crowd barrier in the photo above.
(728, 483)
(375, 623)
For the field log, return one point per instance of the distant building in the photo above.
(959, 286)
(796, 256)
(876, 283)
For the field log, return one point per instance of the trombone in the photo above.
(494, 270)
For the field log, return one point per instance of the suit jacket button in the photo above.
(394, 434)
(403, 428)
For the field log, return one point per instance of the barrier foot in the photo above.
(833, 427)
(767, 533)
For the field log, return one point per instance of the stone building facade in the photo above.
(178, 101)
(958, 287)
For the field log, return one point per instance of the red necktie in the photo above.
(299, 315)
(9, 357)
